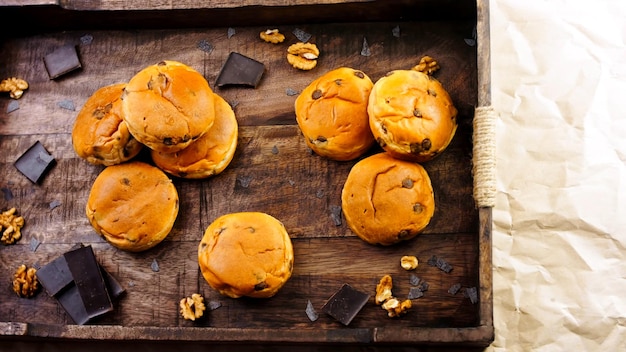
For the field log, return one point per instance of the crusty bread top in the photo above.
(246, 254)
(132, 205)
(208, 155)
(411, 115)
(99, 134)
(168, 105)
(386, 200)
(332, 114)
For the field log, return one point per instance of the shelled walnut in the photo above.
(303, 56)
(427, 65)
(192, 308)
(25, 282)
(385, 298)
(272, 36)
(15, 87)
(10, 225)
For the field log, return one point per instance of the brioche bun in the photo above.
(246, 254)
(208, 155)
(99, 134)
(386, 200)
(132, 205)
(332, 114)
(411, 115)
(168, 105)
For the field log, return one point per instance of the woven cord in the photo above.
(484, 156)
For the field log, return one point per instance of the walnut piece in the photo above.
(383, 289)
(14, 86)
(10, 225)
(25, 282)
(192, 308)
(272, 36)
(409, 262)
(427, 65)
(395, 308)
(303, 56)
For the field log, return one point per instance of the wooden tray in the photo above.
(115, 39)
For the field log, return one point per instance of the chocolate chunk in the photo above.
(55, 276)
(440, 263)
(345, 304)
(72, 302)
(89, 281)
(240, 70)
(62, 61)
(310, 311)
(35, 162)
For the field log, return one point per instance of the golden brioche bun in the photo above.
(99, 134)
(411, 115)
(386, 200)
(168, 105)
(132, 205)
(246, 254)
(208, 155)
(332, 114)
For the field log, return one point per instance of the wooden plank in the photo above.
(285, 180)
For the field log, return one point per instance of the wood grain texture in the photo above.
(272, 171)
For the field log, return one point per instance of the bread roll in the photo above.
(386, 200)
(208, 155)
(168, 105)
(99, 134)
(132, 205)
(332, 114)
(246, 254)
(411, 115)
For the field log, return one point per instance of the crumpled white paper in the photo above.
(559, 239)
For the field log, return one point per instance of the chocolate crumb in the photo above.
(231, 32)
(365, 50)
(440, 263)
(302, 35)
(335, 214)
(213, 305)
(454, 289)
(415, 292)
(34, 244)
(12, 106)
(86, 39)
(154, 266)
(320, 193)
(8, 195)
(275, 150)
(310, 311)
(244, 181)
(414, 280)
(291, 92)
(472, 294)
(205, 46)
(67, 105)
(396, 31)
(55, 203)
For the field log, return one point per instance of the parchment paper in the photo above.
(559, 256)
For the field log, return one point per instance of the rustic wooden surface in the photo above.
(272, 171)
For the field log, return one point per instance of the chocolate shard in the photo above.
(71, 301)
(55, 276)
(35, 162)
(89, 281)
(345, 304)
(240, 70)
(61, 61)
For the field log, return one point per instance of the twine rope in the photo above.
(484, 156)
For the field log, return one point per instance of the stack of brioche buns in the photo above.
(190, 132)
(387, 197)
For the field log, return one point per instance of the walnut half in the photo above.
(303, 56)
(15, 87)
(25, 282)
(192, 308)
(10, 225)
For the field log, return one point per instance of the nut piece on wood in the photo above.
(10, 225)
(427, 65)
(409, 262)
(303, 56)
(192, 308)
(272, 36)
(383, 289)
(15, 87)
(25, 282)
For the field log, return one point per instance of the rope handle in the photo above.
(484, 156)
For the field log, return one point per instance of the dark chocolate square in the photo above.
(345, 304)
(62, 61)
(35, 162)
(240, 70)
(89, 281)
(55, 276)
